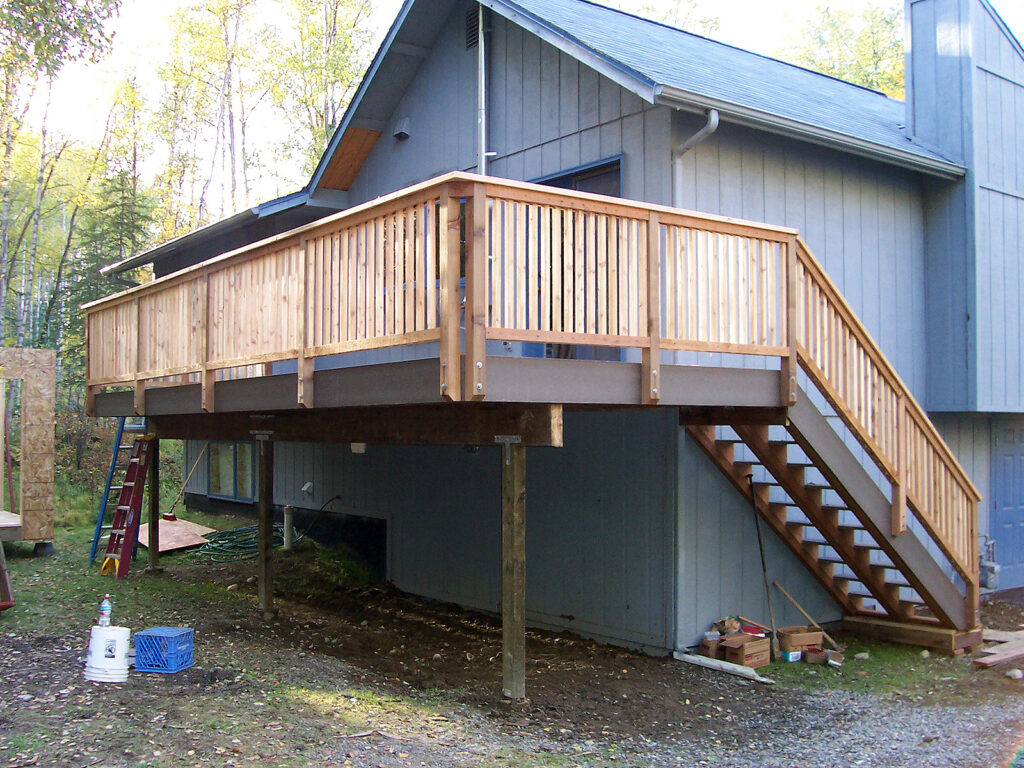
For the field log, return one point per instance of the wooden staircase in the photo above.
(855, 479)
(814, 493)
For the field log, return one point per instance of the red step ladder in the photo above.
(124, 531)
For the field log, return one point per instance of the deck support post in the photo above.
(153, 542)
(513, 567)
(265, 513)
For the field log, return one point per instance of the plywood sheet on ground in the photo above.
(176, 534)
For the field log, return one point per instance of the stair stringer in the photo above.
(703, 437)
(756, 439)
(833, 458)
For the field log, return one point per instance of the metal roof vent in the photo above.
(472, 27)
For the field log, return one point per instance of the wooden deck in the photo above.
(461, 260)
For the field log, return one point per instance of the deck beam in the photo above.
(453, 424)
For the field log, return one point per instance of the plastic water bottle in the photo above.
(105, 607)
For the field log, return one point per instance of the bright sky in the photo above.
(82, 95)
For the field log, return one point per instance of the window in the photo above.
(232, 471)
(602, 178)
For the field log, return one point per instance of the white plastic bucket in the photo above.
(107, 661)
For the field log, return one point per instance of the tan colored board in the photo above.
(37, 370)
(352, 151)
(176, 534)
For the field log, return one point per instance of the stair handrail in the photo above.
(891, 459)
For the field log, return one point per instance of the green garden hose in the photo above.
(240, 543)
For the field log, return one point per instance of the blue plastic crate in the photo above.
(163, 649)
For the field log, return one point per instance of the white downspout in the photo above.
(677, 155)
(481, 95)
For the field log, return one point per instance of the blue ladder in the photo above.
(123, 427)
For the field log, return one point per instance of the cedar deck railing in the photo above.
(540, 265)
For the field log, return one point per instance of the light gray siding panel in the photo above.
(441, 104)
(939, 114)
(846, 210)
(199, 482)
(599, 548)
(999, 165)
(718, 559)
(592, 119)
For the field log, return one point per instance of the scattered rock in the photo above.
(925, 654)
(1014, 674)
(251, 580)
(232, 587)
(862, 656)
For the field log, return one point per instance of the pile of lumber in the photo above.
(1003, 647)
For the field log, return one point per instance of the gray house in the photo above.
(799, 270)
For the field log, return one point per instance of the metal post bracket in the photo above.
(507, 441)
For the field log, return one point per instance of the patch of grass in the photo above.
(316, 572)
(890, 668)
(139, 600)
(74, 506)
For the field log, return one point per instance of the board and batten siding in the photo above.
(718, 562)
(863, 220)
(547, 113)
(939, 115)
(599, 520)
(998, 101)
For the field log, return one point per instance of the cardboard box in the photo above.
(791, 655)
(815, 656)
(797, 638)
(747, 650)
(709, 648)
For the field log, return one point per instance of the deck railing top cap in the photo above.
(641, 208)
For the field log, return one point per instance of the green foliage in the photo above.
(41, 35)
(319, 66)
(865, 47)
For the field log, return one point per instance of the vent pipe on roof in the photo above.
(677, 155)
(481, 94)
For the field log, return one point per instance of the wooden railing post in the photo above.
(899, 486)
(449, 214)
(90, 390)
(206, 376)
(651, 355)
(474, 377)
(140, 385)
(789, 366)
(306, 365)
(973, 585)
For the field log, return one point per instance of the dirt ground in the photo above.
(369, 676)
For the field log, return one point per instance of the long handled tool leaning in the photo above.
(808, 616)
(764, 566)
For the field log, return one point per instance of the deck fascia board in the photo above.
(510, 380)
